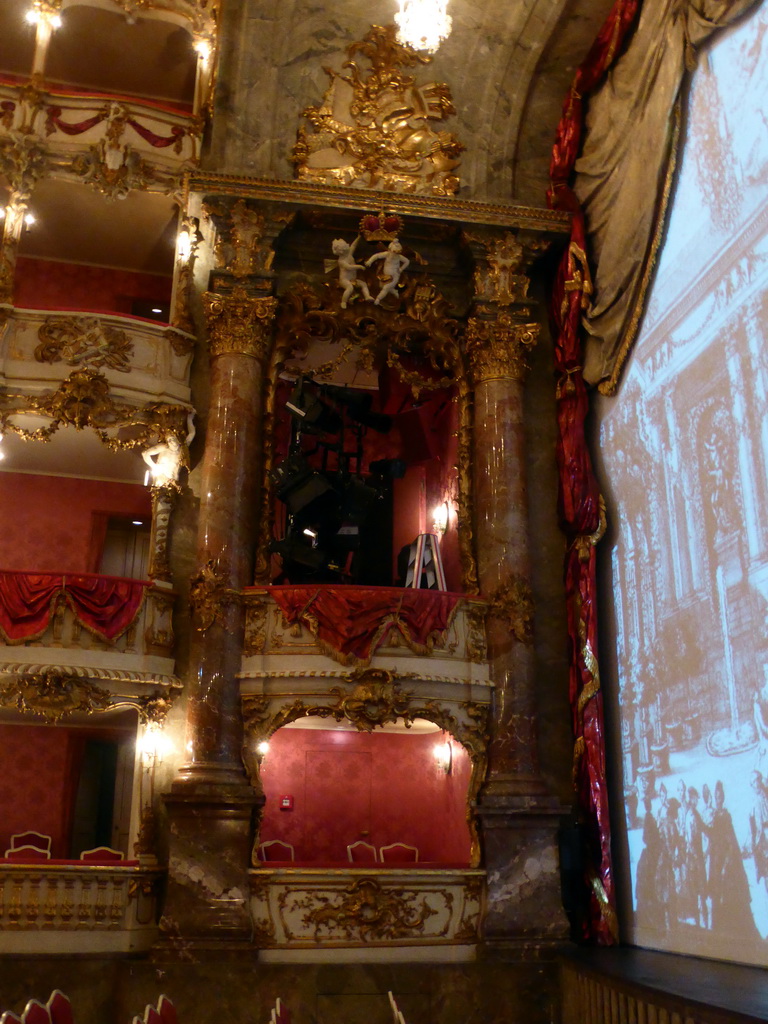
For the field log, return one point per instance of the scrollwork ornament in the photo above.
(497, 347)
(209, 596)
(239, 322)
(53, 694)
(367, 912)
(512, 601)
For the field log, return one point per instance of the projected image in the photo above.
(685, 447)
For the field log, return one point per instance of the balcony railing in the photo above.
(112, 128)
(141, 651)
(300, 911)
(41, 347)
(73, 908)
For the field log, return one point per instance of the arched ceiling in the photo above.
(508, 64)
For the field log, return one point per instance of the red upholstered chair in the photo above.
(275, 849)
(362, 853)
(42, 842)
(102, 854)
(56, 1011)
(399, 853)
(163, 1013)
(26, 853)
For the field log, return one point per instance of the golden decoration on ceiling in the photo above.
(374, 127)
(368, 913)
(83, 339)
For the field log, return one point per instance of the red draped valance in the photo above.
(350, 623)
(104, 605)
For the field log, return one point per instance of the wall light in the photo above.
(423, 24)
(203, 49)
(263, 748)
(36, 15)
(29, 219)
(440, 515)
(444, 756)
(154, 746)
(184, 245)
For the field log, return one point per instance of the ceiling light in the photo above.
(423, 24)
(137, 522)
(156, 309)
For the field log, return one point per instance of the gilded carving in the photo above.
(374, 127)
(115, 172)
(367, 913)
(476, 645)
(153, 708)
(53, 694)
(255, 639)
(23, 162)
(239, 322)
(209, 596)
(83, 339)
(512, 601)
(240, 250)
(84, 400)
(497, 348)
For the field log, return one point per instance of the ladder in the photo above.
(425, 564)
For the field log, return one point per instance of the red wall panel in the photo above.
(346, 784)
(55, 531)
(48, 284)
(37, 767)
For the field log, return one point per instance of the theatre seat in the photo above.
(26, 853)
(31, 838)
(56, 1011)
(102, 854)
(163, 1013)
(361, 853)
(275, 849)
(399, 853)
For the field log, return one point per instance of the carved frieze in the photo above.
(375, 127)
(364, 911)
(239, 322)
(83, 400)
(83, 339)
(53, 694)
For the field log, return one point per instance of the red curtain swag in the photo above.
(580, 505)
(104, 605)
(350, 623)
(53, 121)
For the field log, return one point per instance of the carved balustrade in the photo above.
(42, 347)
(297, 911)
(111, 141)
(74, 908)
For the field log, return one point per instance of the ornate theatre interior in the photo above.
(380, 547)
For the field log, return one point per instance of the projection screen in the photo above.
(683, 459)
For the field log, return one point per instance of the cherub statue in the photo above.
(166, 458)
(394, 264)
(345, 261)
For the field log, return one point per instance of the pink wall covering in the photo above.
(56, 524)
(48, 284)
(37, 767)
(345, 783)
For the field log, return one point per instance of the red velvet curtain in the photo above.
(105, 605)
(351, 622)
(580, 506)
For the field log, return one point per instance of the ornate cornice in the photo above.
(53, 694)
(239, 323)
(496, 348)
(460, 211)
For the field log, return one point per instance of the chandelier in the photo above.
(423, 24)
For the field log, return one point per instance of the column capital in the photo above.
(496, 347)
(239, 322)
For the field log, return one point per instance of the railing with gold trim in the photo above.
(143, 651)
(118, 129)
(302, 910)
(73, 908)
(151, 361)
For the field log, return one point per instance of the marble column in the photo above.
(518, 817)
(211, 804)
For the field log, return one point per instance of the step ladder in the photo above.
(425, 566)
